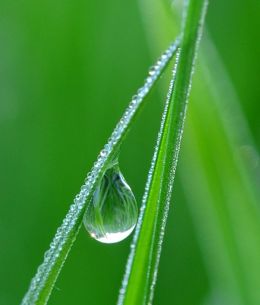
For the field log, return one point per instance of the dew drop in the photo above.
(152, 71)
(112, 214)
(103, 153)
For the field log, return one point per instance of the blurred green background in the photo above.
(67, 71)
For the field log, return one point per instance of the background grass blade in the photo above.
(47, 273)
(226, 183)
(142, 266)
(218, 182)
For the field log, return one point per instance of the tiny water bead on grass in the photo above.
(112, 213)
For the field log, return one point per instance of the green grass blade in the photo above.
(221, 190)
(224, 191)
(142, 266)
(47, 273)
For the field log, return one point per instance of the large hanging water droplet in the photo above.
(112, 213)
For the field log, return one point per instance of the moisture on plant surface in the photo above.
(171, 91)
(112, 214)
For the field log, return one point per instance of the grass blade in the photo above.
(225, 189)
(47, 273)
(142, 266)
(221, 190)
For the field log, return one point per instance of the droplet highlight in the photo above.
(112, 213)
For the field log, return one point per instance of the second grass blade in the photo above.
(142, 266)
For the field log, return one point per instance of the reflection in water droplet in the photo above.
(112, 214)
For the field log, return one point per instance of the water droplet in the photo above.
(149, 80)
(152, 71)
(103, 153)
(112, 214)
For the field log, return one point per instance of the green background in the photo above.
(67, 71)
